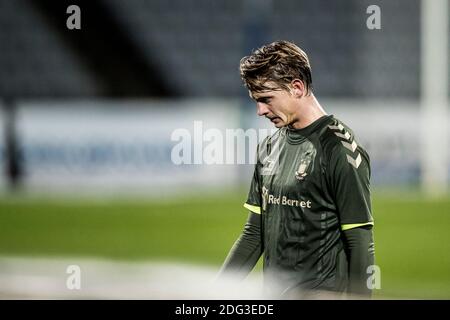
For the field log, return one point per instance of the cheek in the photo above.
(281, 110)
(284, 110)
(291, 108)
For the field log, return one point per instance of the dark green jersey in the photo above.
(309, 185)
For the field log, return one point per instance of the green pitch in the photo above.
(411, 234)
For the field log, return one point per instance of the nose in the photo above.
(261, 109)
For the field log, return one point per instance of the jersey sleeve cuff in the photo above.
(252, 208)
(355, 225)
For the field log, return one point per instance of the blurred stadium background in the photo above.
(87, 118)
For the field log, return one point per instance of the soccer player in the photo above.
(309, 200)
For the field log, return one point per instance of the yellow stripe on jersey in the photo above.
(254, 209)
(355, 225)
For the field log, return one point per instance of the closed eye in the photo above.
(263, 99)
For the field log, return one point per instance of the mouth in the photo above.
(274, 119)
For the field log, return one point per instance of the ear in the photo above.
(298, 88)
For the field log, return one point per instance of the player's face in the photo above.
(276, 105)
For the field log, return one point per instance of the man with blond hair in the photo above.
(309, 199)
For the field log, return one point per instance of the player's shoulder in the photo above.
(338, 139)
(334, 132)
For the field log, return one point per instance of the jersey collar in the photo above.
(296, 136)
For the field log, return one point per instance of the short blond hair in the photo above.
(279, 62)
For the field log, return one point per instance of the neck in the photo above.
(309, 111)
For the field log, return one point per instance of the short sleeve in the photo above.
(349, 171)
(253, 202)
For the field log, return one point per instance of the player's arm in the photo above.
(360, 250)
(349, 174)
(247, 249)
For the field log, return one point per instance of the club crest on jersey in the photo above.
(305, 163)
